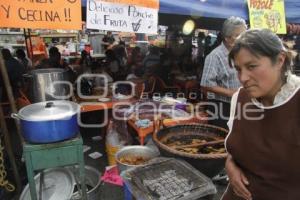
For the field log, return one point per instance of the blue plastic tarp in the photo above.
(208, 8)
(220, 8)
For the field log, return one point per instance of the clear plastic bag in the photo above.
(113, 143)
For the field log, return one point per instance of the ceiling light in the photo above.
(188, 27)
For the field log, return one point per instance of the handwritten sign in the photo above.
(123, 15)
(41, 14)
(267, 14)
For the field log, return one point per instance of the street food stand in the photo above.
(49, 15)
(158, 124)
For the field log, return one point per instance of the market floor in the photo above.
(107, 191)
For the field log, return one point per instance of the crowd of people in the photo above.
(123, 63)
(244, 69)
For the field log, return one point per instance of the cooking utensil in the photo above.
(48, 84)
(49, 121)
(201, 144)
(58, 184)
(165, 178)
(92, 181)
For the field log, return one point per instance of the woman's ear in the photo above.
(280, 59)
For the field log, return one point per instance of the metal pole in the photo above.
(27, 45)
(30, 42)
(4, 127)
(10, 95)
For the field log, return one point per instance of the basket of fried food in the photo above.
(199, 144)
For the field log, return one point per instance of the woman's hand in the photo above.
(237, 179)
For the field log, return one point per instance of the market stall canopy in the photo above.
(219, 8)
(222, 8)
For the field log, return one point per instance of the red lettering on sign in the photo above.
(261, 4)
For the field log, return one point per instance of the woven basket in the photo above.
(209, 164)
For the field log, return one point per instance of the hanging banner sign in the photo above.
(139, 16)
(41, 14)
(267, 14)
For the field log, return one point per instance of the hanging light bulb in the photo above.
(188, 27)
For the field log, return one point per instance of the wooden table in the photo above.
(143, 132)
(186, 83)
(93, 105)
(88, 105)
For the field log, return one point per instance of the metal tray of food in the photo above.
(168, 179)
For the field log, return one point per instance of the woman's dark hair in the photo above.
(6, 54)
(53, 51)
(20, 53)
(201, 35)
(261, 42)
(110, 55)
(85, 58)
(136, 50)
(135, 54)
(84, 53)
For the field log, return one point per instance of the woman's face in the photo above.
(259, 76)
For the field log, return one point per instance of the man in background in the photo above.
(218, 78)
(108, 40)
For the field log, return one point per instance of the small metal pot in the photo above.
(92, 181)
(49, 121)
(135, 150)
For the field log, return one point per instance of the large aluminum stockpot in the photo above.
(49, 121)
(48, 84)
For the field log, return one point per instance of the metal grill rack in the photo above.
(171, 179)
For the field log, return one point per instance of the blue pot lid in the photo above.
(49, 110)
